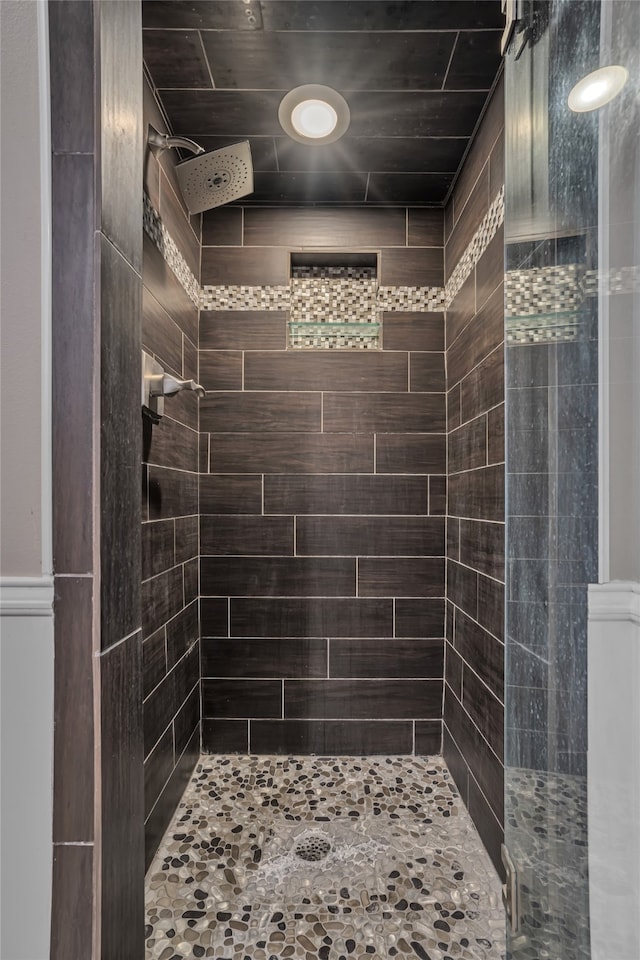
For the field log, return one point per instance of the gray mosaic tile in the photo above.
(156, 231)
(327, 858)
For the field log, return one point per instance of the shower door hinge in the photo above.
(510, 891)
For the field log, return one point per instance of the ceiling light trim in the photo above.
(313, 92)
(597, 88)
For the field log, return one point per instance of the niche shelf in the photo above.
(334, 301)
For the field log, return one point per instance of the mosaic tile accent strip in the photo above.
(411, 298)
(544, 304)
(342, 298)
(156, 230)
(330, 858)
(547, 835)
(481, 239)
(245, 298)
(267, 297)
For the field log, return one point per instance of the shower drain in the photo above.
(313, 848)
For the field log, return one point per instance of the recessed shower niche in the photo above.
(334, 302)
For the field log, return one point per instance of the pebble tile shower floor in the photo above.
(330, 858)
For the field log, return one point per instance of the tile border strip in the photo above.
(277, 297)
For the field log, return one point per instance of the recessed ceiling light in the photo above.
(314, 113)
(314, 118)
(597, 88)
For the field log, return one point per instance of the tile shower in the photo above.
(324, 572)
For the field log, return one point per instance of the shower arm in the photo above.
(162, 141)
(164, 385)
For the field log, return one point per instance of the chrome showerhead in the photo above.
(217, 177)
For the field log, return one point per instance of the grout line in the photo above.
(328, 658)
(453, 50)
(357, 576)
(248, 735)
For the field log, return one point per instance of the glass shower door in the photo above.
(551, 218)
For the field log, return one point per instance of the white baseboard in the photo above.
(26, 596)
(26, 733)
(614, 769)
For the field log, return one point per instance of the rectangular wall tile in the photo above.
(366, 371)
(230, 494)
(399, 577)
(412, 331)
(264, 658)
(411, 453)
(345, 495)
(243, 266)
(359, 699)
(311, 617)
(120, 442)
(73, 774)
(161, 815)
(122, 797)
(482, 651)
(162, 598)
(158, 547)
(291, 452)
(425, 228)
(428, 740)
(246, 536)
(384, 412)
(214, 617)
(370, 536)
(160, 334)
(325, 228)
(230, 699)
(332, 737)
(243, 329)
(482, 546)
(478, 493)
(414, 267)
(71, 909)
(419, 618)
(220, 369)
(278, 576)
(426, 372)
(158, 767)
(225, 736)
(468, 445)
(170, 444)
(382, 658)
(172, 493)
(285, 411)
(222, 227)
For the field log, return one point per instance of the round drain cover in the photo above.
(312, 848)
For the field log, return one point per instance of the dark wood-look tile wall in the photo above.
(170, 533)
(96, 58)
(323, 501)
(474, 671)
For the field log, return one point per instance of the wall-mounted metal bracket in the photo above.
(510, 891)
(157, 384)
(152, 404)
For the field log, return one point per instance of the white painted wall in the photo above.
(614, 603)
(26, 588)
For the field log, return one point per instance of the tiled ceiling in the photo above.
(416, 76)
